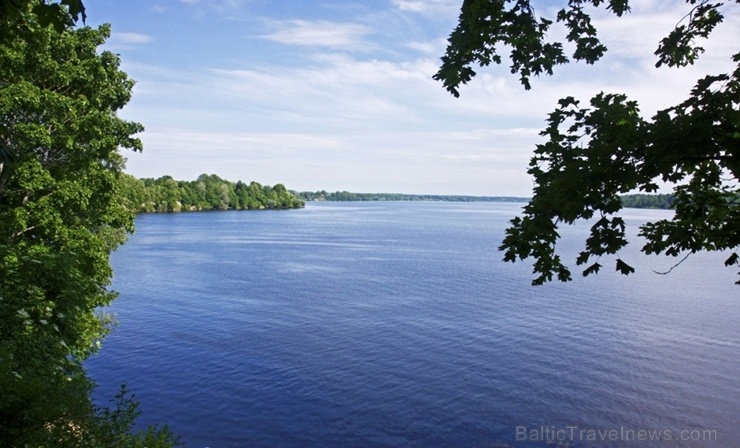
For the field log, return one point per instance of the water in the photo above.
(396, 324)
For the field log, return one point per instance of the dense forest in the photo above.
(207, 192)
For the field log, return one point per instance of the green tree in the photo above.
(257, 195)
(598, 151)
(208, 192)
(169, 195)
(61, 214)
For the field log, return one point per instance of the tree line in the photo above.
(323, 195)
(207, 192)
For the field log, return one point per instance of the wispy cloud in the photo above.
(130, 38)
(344, 98)
(319, 33)
(427, 6)
(431, 48)
(216, 3)
(491, 162)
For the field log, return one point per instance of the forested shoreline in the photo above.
(211, 192)
(207, 192)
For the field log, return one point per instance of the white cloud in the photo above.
(491, 164)
(433, 48)
(319, 33)
(375, 119)
(130, 38)
(427, 6)
(336, 90)
(341, 124)
(226, 145)
(232, 4)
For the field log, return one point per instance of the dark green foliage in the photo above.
(55, 411)
(596, 154)
(114, 427)
(59, 15)
(486, 24)
(208, 192)
(61, 215)
(678, 48)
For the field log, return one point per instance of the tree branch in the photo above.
(17, 234)
(674, 266)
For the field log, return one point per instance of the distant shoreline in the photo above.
(347, 196)
(648, 201)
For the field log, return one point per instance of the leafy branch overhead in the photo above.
(594, 153)
(60, 15)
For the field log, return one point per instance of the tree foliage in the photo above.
(60, 14)
(207, 192)
(600, 150)
(61, 215)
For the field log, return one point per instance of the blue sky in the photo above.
(338, 95)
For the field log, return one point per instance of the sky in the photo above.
(338, 95)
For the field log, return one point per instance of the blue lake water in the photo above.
(397, 324)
